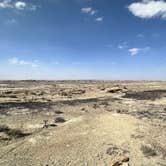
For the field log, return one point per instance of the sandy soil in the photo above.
(82, 123)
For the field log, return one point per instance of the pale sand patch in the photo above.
(33, 126)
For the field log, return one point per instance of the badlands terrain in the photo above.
(82, 123)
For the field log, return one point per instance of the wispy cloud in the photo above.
(55, 63)
(135, 51)
(17, 61)
(123, 45)
(140, 35)
(88, 10)
(99, 19)
(6, 4)
(17, 5)
(148, 9)
(10, 21)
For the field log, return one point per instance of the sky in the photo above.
(83, 39)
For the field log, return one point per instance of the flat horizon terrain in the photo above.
(82, 123)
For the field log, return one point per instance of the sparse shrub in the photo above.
(148, 151)
(105, 103)
(45, 124)
(83, 109)
(15, 133)
(4, 128)
(95, 106)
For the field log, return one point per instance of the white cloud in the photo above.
(88, 10)
(5, 4)
(92, 12)
(99, 19)
(20, 5)
(148, 9)
(17, 61)
(135, 51)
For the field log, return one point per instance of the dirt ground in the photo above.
(82, 123)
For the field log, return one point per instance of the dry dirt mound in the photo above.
(85, 140)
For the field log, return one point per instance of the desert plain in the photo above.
(82, 123)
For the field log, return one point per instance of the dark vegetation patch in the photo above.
(95, 106)
(70, 92)
(8, 92)
(148, 151)
(105, 103)
(160, 149)
(16, 133)
(146, 95)
(150, 114)
(7, 107)
(4, 128)
(13, 133)
(8, 96)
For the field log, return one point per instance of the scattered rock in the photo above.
(122, 161)
(112, 150)
(60, 120)
(116, 89)
(71, 92)
(95, 106)
(4, 137)
(53, 125)
(58, 112)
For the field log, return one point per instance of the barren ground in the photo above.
(82, 123)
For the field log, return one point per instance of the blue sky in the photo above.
(83, 39)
